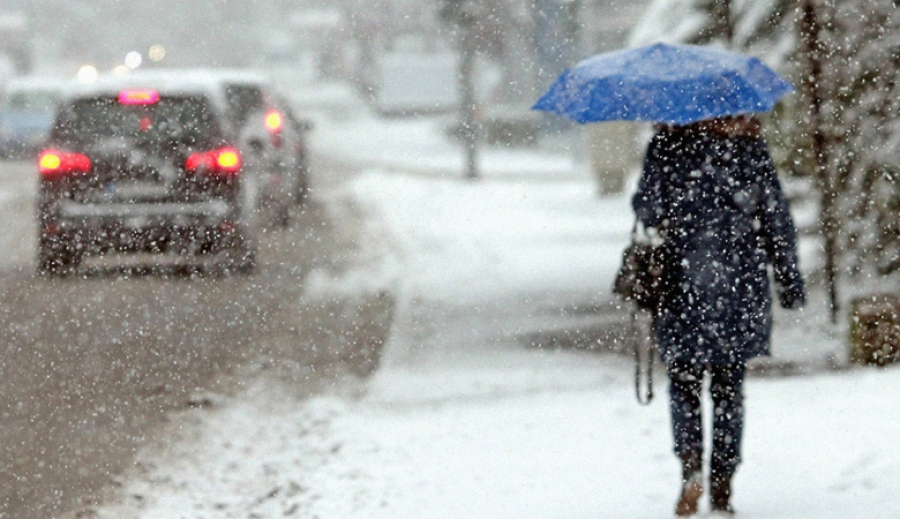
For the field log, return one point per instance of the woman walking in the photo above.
(711, 189)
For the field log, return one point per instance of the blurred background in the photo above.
(522, 45)
(485, 62)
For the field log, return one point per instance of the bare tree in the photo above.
(814, 49)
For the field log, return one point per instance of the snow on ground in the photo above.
(464, 420)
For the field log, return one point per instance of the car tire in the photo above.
(282, 216)
(57, 258)
(236, 257)
(245, 263)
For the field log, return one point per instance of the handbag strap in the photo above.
(634, 229)
(642, 398)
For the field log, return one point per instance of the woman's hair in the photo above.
(736, 126)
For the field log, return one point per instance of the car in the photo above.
(26, 113)
(147, 165)
(296, 142)
(269, 127)
(266, 129)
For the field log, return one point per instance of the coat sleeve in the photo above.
(648, 202)
(778, 233)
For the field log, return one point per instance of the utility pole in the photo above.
(463, 15)
(814, 49)
(468, 102)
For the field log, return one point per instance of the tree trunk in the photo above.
(810, 32)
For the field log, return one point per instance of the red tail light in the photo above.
(54, 163)
(274, 121)
(223, 162)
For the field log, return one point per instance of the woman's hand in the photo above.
(792, 297)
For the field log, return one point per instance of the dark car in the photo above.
(146, 166)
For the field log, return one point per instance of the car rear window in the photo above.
(169, 122)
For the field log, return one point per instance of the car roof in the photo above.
(165, 83)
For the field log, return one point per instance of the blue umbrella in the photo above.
(676, 84)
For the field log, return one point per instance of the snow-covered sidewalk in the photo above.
(464, 420)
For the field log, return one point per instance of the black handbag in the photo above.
(640, 278)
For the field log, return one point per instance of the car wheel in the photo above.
(245, 263)
(57, 258)
(236, 257)
(282, 216)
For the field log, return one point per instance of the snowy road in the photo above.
(91, 364)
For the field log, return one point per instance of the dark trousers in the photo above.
(726, 388)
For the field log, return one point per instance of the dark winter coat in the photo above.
(719, 203)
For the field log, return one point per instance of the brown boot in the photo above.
(691, 484)
(720, 494)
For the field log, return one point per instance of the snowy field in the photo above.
(462, 420)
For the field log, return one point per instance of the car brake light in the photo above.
(55, 163)
(228, 160)
(274, 121)
(138, 97)
(220, 162)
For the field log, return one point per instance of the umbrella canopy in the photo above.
(675, 84)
